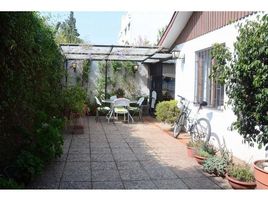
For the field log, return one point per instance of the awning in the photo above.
(143, 54)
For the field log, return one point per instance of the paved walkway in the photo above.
(124, 156)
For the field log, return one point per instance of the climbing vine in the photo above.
(246, 78)
(121, 75)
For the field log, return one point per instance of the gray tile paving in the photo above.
(102, 156)
(78, 157)
(75, 185)
(123, 156)
(128, 165)
(105, 175)
(136, 174)
(170, 184)
(77, 171)
(104, 165)
(140, 185)
(200, 183)
(161, 173)
(108, 185)
(96, 150)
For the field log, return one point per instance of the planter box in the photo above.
(190, 152)
(239, 184)
(200, 159)
(261, 176)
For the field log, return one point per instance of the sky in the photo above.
(94, 27)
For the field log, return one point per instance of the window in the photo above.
(205, 88)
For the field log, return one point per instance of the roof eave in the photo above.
(174, 29)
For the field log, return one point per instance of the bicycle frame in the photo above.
(191, 120)
(198, 128)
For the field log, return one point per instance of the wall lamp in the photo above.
(74, 66)
(178, 55)
(135, 68)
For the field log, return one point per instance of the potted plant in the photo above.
(74, 101)
(120, 93)
(240, 177)
(204, 151)
(215, 165)
(218, 165)
(190, 148)
(261, 173)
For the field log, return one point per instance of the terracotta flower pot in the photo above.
(200, 159)
(261, 176)
(236, 184)
(190, 151)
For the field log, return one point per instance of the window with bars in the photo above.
(207, 89)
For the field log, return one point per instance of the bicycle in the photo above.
(199, 128)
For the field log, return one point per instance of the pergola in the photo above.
(141, 54)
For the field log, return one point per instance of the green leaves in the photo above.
(66, 31)
(30, 92)
(241, 173)
(215, 165)
(246, 79)
(220, 57)
(167, 111)
(74, 99)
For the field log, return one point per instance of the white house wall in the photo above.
(220, 119)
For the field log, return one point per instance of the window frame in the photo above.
(211, 91)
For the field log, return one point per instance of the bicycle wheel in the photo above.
(201, 130)
(179, 125)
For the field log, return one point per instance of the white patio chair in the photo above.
(153, 102)
(113, 97)
(120, 107)
(138, 108)
(100, 108)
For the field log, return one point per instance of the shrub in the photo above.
(9, 184)
(120, 92)
(48, 139)
(167, 111)
(31, 83)
(28, 166)
(215, 165)
(74, 99)
(190, 144)
(205, 150)
(241, 173)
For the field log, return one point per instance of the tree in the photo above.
(160, 33)
(66, 32)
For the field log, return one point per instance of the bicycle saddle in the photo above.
(203, 103)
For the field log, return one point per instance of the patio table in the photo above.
(111, 110)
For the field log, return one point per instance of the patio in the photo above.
(124, 156)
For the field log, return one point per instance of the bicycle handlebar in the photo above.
(203, 103)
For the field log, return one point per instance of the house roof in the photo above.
(185, 26)
(144, 54)
(174, 28)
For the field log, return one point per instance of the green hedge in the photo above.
(30, 95)
(167, 111)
